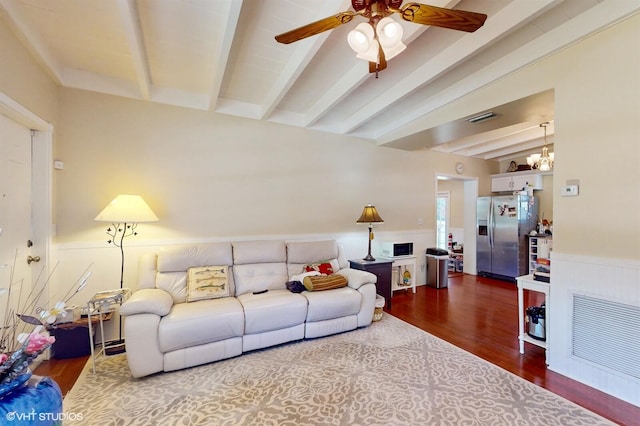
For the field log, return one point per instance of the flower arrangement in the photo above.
(31, 345)
(19, 349)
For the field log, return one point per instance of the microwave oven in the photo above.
(393, 249)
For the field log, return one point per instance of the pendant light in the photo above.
(544, 161)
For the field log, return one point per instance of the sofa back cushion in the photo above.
(259, 265)
(174, 262)
(302, 253)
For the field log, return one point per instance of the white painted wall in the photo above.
(597, 119)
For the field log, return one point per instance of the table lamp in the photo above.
(370, 215)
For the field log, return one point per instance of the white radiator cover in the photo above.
(607, 334)
(594, 323)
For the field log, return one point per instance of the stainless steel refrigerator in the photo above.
(503, 223)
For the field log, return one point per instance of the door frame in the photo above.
(41, 178)
(470, 197)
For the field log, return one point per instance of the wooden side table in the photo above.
(382, 268)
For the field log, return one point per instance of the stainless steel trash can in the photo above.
(437, 273)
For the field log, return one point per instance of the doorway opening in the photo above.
(443, 216)
(461, 222)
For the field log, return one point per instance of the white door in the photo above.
(15, 219)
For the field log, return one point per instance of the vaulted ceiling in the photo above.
(221, 55)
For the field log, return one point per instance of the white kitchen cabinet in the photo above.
(515, 181)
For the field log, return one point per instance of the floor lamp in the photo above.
(370, 215)
(124, 213)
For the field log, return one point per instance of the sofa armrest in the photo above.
(357, 278)
(148, 301)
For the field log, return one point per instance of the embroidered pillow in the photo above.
(324, 268)
(324, 282)
(207, 282)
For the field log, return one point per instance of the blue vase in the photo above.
(31, 400)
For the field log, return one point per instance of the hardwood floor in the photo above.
(480, 315)
(473, 313)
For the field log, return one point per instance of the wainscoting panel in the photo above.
(594, 323)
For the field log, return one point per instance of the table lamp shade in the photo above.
(127, 209)
(370, 215)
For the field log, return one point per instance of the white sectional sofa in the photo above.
(165, 332)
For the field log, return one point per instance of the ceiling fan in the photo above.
(381, 38)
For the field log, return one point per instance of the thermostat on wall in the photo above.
(569, 190)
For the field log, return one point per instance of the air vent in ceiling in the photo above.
(482, 117)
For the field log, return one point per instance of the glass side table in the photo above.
(102, 303)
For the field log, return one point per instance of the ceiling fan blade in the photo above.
(440, 17)
(316, 27)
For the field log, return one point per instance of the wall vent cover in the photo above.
(607, 333)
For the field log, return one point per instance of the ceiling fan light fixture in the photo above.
(389, 32)
(392, 52)
(362, 41)
(390, 37)
(360, 38)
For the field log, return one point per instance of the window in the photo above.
(442, 219)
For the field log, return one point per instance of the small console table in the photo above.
(526, 282)
(382, 268)
(406, 263)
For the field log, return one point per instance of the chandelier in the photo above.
(544, 161)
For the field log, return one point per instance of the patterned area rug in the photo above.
(390, 373)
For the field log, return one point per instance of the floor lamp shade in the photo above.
(127, 209)
(370, 215)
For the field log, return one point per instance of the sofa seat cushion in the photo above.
(330, 304)
(201, 322)
(273, 310)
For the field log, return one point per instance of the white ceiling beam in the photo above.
(510, 151)
(600, 16)
(514, 134)
(357, 75)
(506, 19)
(305, 51)
(32, 40)
(500, 142)
(233, 16)
(131, 27)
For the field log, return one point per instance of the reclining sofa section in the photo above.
(165, 330)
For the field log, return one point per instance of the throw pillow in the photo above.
(324, 268)
(324, 282)
(207, 282)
